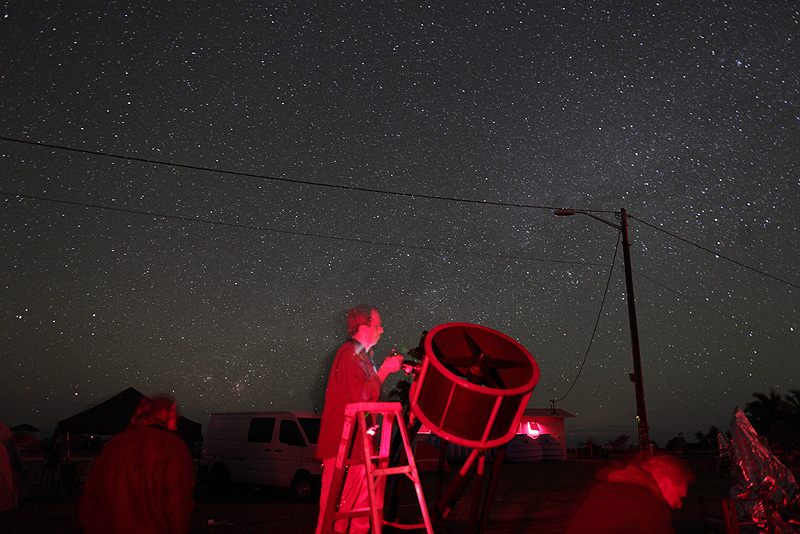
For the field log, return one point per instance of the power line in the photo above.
(200, 220)
(596, 324)
(276, 179)
(703, 305)
(716, 253)
(376, 191)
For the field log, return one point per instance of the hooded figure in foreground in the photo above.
(143, 479)
(634, 499)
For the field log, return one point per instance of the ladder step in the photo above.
(392, 470)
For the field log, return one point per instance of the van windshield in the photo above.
(311, 428)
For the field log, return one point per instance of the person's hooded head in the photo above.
(671, 475)
(159, 411)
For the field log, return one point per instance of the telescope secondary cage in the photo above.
(473, 385)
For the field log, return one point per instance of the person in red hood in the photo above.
(143, 479)
(634, 499)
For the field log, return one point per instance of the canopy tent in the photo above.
(112, 416)
(26, 427)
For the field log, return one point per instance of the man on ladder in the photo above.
(353, 378)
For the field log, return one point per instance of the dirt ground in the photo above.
(538, 497)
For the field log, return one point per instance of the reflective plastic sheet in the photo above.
(761, 478)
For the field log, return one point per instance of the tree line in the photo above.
(775, 417)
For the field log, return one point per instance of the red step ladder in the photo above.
(357, 446)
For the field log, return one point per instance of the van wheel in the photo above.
(217, 479)
(304, 488)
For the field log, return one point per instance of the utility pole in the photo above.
(641, 411)
(636, 376)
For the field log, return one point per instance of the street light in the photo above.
(636, 377)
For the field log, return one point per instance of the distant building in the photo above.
(538, 421)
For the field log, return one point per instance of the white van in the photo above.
(264, 449)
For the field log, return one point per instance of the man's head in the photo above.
(160, 411)
(364, 325)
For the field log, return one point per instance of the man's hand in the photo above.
(392, 364)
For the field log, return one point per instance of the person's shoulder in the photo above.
(349, 349)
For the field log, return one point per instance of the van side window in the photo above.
(261, 430)
(290, 434)
(311, 427)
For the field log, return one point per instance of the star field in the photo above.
(250, 171)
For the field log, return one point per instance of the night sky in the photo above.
(195, 192)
